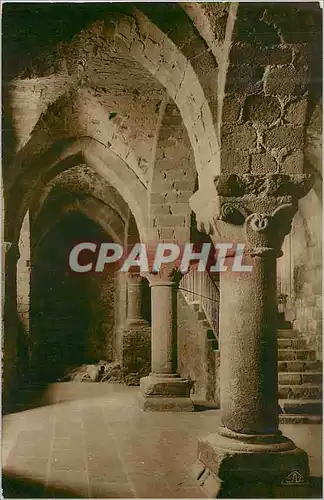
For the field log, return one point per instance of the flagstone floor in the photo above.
(88, 440)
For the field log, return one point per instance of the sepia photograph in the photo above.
(161, 264)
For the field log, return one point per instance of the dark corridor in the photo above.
(72, 314)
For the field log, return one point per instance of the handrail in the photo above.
(198, 287)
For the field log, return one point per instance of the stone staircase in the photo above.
(300, 379)
(299, 372)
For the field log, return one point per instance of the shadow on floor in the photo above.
(39, 395)
(33, 396)
(22, 487)
(204, 406)
(14, 486)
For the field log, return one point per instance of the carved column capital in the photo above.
(265, 233)
(168, 275)
(257, 208)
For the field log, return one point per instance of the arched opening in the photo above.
(72, 314)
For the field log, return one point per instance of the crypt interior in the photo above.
(162, 123)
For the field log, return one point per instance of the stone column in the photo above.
(134, 314)
(248, 456)
(136, 335)
(164, 389)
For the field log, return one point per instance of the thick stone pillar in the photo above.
(248, 457)
(248, 349)
(164, 389)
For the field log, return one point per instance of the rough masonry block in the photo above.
(238, 137)
(293, 163)
(284, 136)
(233, 161)
(263, 109)
(263, 163)
(296, 112)
(260, 55)
(284, 81)
(231, 109)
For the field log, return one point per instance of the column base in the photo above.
(167, 392)
(160, 403)
(232, 465)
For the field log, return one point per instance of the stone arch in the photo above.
(138, 38)
(75, 113)
(184, 33)
(81, 182)
(93, 209)
(211, 20)
(160, 57)
(80, 150)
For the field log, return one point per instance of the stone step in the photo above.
(286, 333)
(284, 325)
(299, 366)
(297, 343)
(294, 418)
(299, 378)
(301, 406)
(296, 354)
(304, 391)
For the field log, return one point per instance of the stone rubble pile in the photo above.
(102, 371)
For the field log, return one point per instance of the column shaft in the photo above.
(248, 347)
(164, 389)
(134, 312)
(162, 329)
(136, 334)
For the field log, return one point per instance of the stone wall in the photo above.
(307, 266)
(173, 180)
(197, 360)
(307, 242)
(300, 267)
(266, 95)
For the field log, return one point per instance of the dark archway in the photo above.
(72, 315)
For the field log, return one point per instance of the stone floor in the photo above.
(93, 441)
